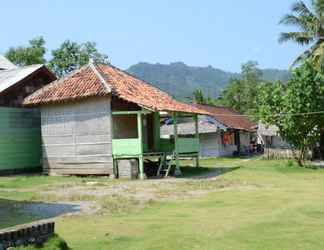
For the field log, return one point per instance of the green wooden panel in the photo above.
(166, 145)
(126, 147)
(188, 145)
(20, 139)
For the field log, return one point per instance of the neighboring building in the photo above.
(223, 132)
(16, 83)
(274, 146)
(20, 148)
(270, 138)
(99, 116)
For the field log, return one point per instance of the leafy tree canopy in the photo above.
(27, 55)
(68, 57)
(290, 107)
(71, 55)
(241, 93)
(310, 24)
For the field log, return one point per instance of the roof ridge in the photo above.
(138, 78)
(100, 75)
(218, 106)
(56, 82)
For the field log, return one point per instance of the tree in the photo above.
(291, 108)
(240, 94)
(71, 55)
(198, 97)
(310, 24)
(233, 96)
(33, 54)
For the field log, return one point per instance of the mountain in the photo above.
(180, 80)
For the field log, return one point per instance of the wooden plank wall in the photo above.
(76, 137)
(19, 139)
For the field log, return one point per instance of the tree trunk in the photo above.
(301, 155)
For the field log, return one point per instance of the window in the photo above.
(125, 126)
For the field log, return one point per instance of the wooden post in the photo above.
(176, 150)
(140, 137)
(156, 131)
(197, 137)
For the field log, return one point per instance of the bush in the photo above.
(53, 243)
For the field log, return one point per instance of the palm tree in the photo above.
(198, 97)
(310, 24)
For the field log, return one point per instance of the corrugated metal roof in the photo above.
(228, 117)
(270, 130)
(10, 77)
(188, 128)
(6, 64)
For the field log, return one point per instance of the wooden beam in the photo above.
(176, 150)
(156, 131)
(140, 137)
(126, 112)
(197, 136)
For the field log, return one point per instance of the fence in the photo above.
(26, 235)
(20, 140)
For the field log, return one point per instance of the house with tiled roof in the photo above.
(101, 120)
(20, 127)
(223, 132)
(16, 83)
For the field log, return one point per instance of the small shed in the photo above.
(223, 132)
(16, 83)
(20, 127)
(99, 116)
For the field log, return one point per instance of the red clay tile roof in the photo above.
(228, 117)
(101, 80)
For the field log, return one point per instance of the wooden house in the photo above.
(99, 116)
(16, 83)
(20, 127)
(223, 132)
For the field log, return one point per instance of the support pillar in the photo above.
(176, 149)
(140, 137)
(197, 137)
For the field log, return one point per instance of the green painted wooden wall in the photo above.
(20, 139)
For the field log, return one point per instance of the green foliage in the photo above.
(181, 80)
(32, 54)
(310, 24)
(54, 243)
(68, 57)
(285, 106)
(71, 56)
(198, 97)
(241, 94)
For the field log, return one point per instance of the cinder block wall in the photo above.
(76, 137)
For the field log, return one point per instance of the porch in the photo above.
(136, 135)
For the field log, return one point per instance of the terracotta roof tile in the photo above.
(86, 82)
(228, 117)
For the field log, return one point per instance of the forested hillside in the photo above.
(181, 80)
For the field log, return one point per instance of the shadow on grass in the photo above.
(205, 172)
(13, 213)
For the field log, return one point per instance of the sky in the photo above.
(220, 33)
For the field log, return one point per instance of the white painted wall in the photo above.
(76, 137)
(211, 145)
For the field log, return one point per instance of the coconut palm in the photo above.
(310, 24)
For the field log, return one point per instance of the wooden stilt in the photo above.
(140, 136)
(176, 149)
(197, 137)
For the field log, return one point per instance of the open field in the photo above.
(228, 204)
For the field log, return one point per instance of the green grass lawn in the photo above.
(256, 204)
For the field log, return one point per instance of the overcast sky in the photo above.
(220, 33)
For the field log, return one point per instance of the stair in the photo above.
(165, 166)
